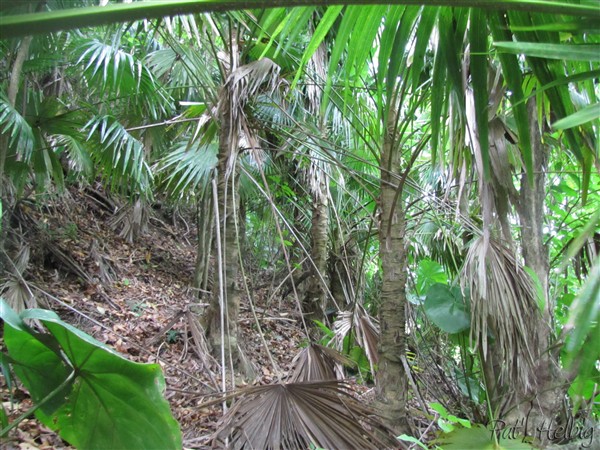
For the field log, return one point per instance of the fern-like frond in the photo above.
(111, 70)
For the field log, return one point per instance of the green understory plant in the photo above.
(350, 349)
(90, 394)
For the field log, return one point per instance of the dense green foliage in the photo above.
(485, 105)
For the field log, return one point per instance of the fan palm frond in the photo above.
(503, 306)
(365, 329)
(318, 363)
(15, 290)
(79, 158)
(114, 71)
(187, 167)
(20, 132)
(119, 154)
(296, 415)
(132, 219)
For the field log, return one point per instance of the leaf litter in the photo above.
(136, 298)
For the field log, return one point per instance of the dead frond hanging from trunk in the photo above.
(503, 309)
(244, 84)
(16, 290)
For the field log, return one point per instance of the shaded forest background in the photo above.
(402, 196)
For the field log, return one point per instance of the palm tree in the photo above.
(50, 134)
(459, 64)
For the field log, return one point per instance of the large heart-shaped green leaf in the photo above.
(112, 402)
(446, 307)
(428, 273)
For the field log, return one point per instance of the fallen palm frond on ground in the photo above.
(295, 415)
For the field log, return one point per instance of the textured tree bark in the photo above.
(316, 292)
(315, 297)
(227, 188)
(204, 224)
(392, 384)
(542, 403)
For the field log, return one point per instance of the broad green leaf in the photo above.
(471, 388)
(36, 362)
(588, 114)
(446, 307)
(428, 273)
(569, 52)
(464, 422)
(445, 426)
(439, 408)
(112, 403)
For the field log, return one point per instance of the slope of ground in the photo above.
(136, 298)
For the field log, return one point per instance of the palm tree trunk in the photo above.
(392, 384)
(314, 301)
(227, 181)
(542, 403)
(316, 292)
(204, 223)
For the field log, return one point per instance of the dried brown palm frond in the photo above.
(132, 219)
(318, 363)
(242, 85)
(16, 290)
(503, 305)
(365, 328)
(295, 415)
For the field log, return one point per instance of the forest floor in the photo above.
(136, 297)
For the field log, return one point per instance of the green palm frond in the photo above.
(20, 132)
(119, 155)
(45, 22)
(187, 168)
(79, 157)
(184, 68)
(111, 70)
(298, 415)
